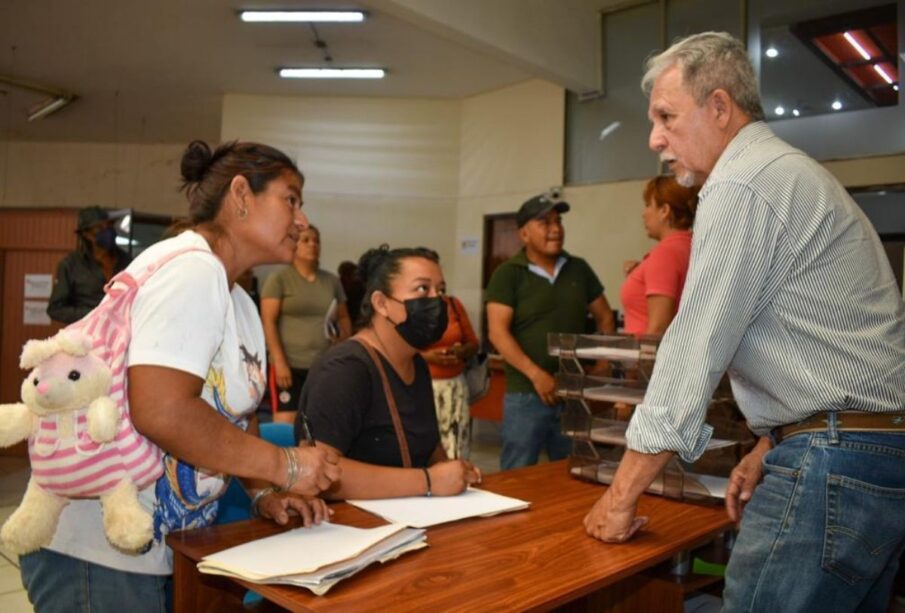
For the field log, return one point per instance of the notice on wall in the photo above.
(34, 313)
(38, 286)
(469, 245)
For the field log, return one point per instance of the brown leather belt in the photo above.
(845, 420)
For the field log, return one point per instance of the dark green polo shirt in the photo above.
(540, 307)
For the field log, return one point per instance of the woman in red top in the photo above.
(446, 359)
(651, 291)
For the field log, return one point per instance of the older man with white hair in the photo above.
(790, 291)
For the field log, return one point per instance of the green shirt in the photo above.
(303, 312)
(540, 307)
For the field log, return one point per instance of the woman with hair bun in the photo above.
(196, 363)
(652, 289)
(370, 398)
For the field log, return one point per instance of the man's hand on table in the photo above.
(612, 523)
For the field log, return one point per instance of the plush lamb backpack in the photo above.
(68, 461)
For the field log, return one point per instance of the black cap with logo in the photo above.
(537, 207)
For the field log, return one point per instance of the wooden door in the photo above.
(501, 242)
(31, 242)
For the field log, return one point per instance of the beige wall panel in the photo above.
(363, 146)
(512, 140)
(377, 169)
(511, 149)
(869, 171)
(42, 174)
(350, 225)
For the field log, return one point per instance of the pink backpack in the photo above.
(101, 466)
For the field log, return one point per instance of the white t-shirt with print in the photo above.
(185, 317)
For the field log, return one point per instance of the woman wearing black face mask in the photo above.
(349, 402)
(81, 276)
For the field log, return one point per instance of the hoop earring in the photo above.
(243, 213)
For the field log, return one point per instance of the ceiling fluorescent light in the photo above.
(851, 40)
(48, 106)
(879, 70)
(302, 16)
(332, 73)
(57, 100)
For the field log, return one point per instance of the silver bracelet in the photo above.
(292, 470)
(261, 493)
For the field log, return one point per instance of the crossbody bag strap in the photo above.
(391, 403)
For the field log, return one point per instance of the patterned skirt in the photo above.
(451, 400)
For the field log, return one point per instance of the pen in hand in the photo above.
(306, 427)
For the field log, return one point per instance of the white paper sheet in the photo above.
(424, 511)
(321, 580)
(302, 550)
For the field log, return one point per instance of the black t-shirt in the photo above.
(347, 408)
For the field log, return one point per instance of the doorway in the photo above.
(501, 242)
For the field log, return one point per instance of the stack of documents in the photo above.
(315, 558)
(425, 511)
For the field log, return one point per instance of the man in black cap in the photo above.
(81, 276)
(539, 290)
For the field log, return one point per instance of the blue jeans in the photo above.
(825, 528)
(58, 583)
(528, 427)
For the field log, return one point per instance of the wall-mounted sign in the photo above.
(34, 313)
(469, 245)
(38, 286)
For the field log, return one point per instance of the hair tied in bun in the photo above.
(195, 161)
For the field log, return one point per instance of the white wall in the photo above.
(47, 174)
(377, 169)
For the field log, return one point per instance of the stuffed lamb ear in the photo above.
(70, 341)
(36, 351)
(73, 342)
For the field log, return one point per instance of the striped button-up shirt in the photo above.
(789, 289)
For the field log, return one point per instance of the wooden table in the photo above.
(538, 559)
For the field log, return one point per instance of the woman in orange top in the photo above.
(446, 359)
